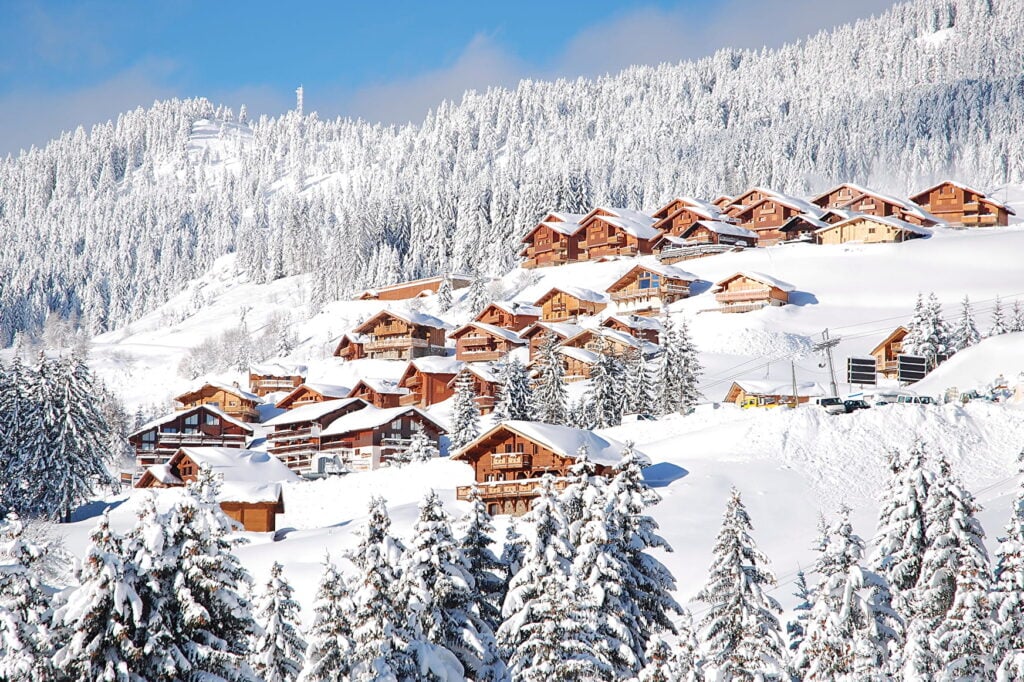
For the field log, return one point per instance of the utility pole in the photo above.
(829, 344)
(796, 395)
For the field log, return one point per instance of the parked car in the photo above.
(916, 399)
(831, 405)
(854, 405)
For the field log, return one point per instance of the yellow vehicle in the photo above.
(760, 401)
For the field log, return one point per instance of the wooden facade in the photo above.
(428, 383)
(647, 289)
(577, 363)
(764, 394)
(868, 229)
(563, 304)
(739, 202)
(391, 335)
(263, 381)
(294, 437)
(743, 292)
(509, 315)
(415, 288)
(382, 393)
(679, 215)
(480, 342)
(642, 327)
(535, 334)
(767, 216)
(232, 400)
(551, 241)
(351, 347)
(608, 232)
(851, 197)
(200, 426)
(719, 233)
(960, 205)
(486, 386)
(839, 196)
(307, 394)
(366, 440)
(885, 353)
(605, 340)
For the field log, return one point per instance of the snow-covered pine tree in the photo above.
(940, 330)
(513, 549)
(852, 629)
(26, 639)
(1007, 594)
(741, 633)
(582, 492)
(381, 638)
(680, 369)
(515, 400)
(279, 650)
(550, 398)
(440, 597)
(330, 636)
(640, 385)
(927, 333)
(916, 328)
(668, 663)
(606, 395)
(796, 628)
(444, 295)
(489, 574)
(421, 448)
(104, 614)
(465, 412)
(965, 334)
(476, 296)
(1000, 325)
(1017, 317)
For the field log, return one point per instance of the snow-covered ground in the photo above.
(791, 465)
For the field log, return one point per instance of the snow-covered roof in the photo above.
(626, 339)
(566, 330)
(811, 220)
(518, 308)
(435, 364)
(969, 189)
(907, 205)
(576, 292)
(885, 220)
(382, 386)
(224, 386)
(484, 370)
(564, 441)
(277, 369)
(719, 227)
(805, 389)
(759, 277)
(581, 354)
(163, 474)
(705, 209)
(493, 330)
(635, 223)
(666, 271)
(328, 390)
(797, 203)
(248, 475)
(181, 413)
(636, 321)
(312, 411)
(413, 317)
(371, 417)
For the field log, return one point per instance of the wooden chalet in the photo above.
(959, 204)
(402, 335)
(767, 216)
(551, 241)
(703, 238)
(351, 347)
(230, 399)
(745, 291)
(611, 341)
(739, 202)
(802, 227)
(251, 491)
(678, 215)
(722, 201)
(382, 393)
(647, 289)
(415, 288)
(643, 327)
(771, 393)
(486, 384)
(200, 426)
(869, 229)
(509, 315)
(480, 342)
(368, 438)
(608, 232)
(274, 377)
(851, 197)
(294, 437)
(562, 304)
(428, 381)
(535, 334)
(309, 393)
(886, 352)
(510, 459)
(577, 363)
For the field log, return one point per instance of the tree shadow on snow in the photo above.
(91, 510)
(802, 298)
(661, 474)
(699, 287)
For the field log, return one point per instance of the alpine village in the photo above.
(547, 386)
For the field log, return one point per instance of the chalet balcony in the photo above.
(479, 354)
(694, 250)
(743, 296)
(394, 343)
(292, 449)
(507, 489)
(667, 291)
(516, 460)
(983, 219)
(410, 400)
(971, 206)
(886, 367)
(274, 384)
(288, 435)
(177, 440)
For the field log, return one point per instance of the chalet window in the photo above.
(233, 403)
(215, 404)
(871, 230)
(397, 424)
(211, 420)
(149, 440)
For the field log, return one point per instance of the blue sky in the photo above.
(65, 63)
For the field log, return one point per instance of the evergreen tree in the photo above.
(487, 570)
(927, 335)
(680, 369)
(605, 398)
(330, 636)
(1000, 325)
(26, 638)
(966, 333)
(741, 628)
(796, 629)
(1017, 318)
(104, 615)
(476, 297)
(512, 552)
(279, 650)
(465, 412)
(666, 663)
(444, 295)
(550, 398)
(1008, 590)
(515, 399)
(639, 385)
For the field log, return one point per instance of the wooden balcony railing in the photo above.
(744, 295)
(506, 489)
(515, 460)
(394, 343)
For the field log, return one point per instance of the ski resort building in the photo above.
(486, 384)
(704, 238)
(551, 241)
(647, 289)
(802, 227)
(509, 460)
(678, 215)
(294, 437)
(481, 342)
(767, 216)
(738, 203)
(771, 393)
(958, 204)
(368, 438)
(886, 352)
(200, 426)
(427, 380)
(611, 341)
(351, 347)
(273, 377)
(746, 291)
(851, 197)
(382, 393)
(643, 327)
(869, 229)
(230, 399)
(577, 363)
(563, 304)
(415, 288)
(510, 315)
(309, 393)
(536, 334)
(251, 490)
(614, 232)
(402, 335)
